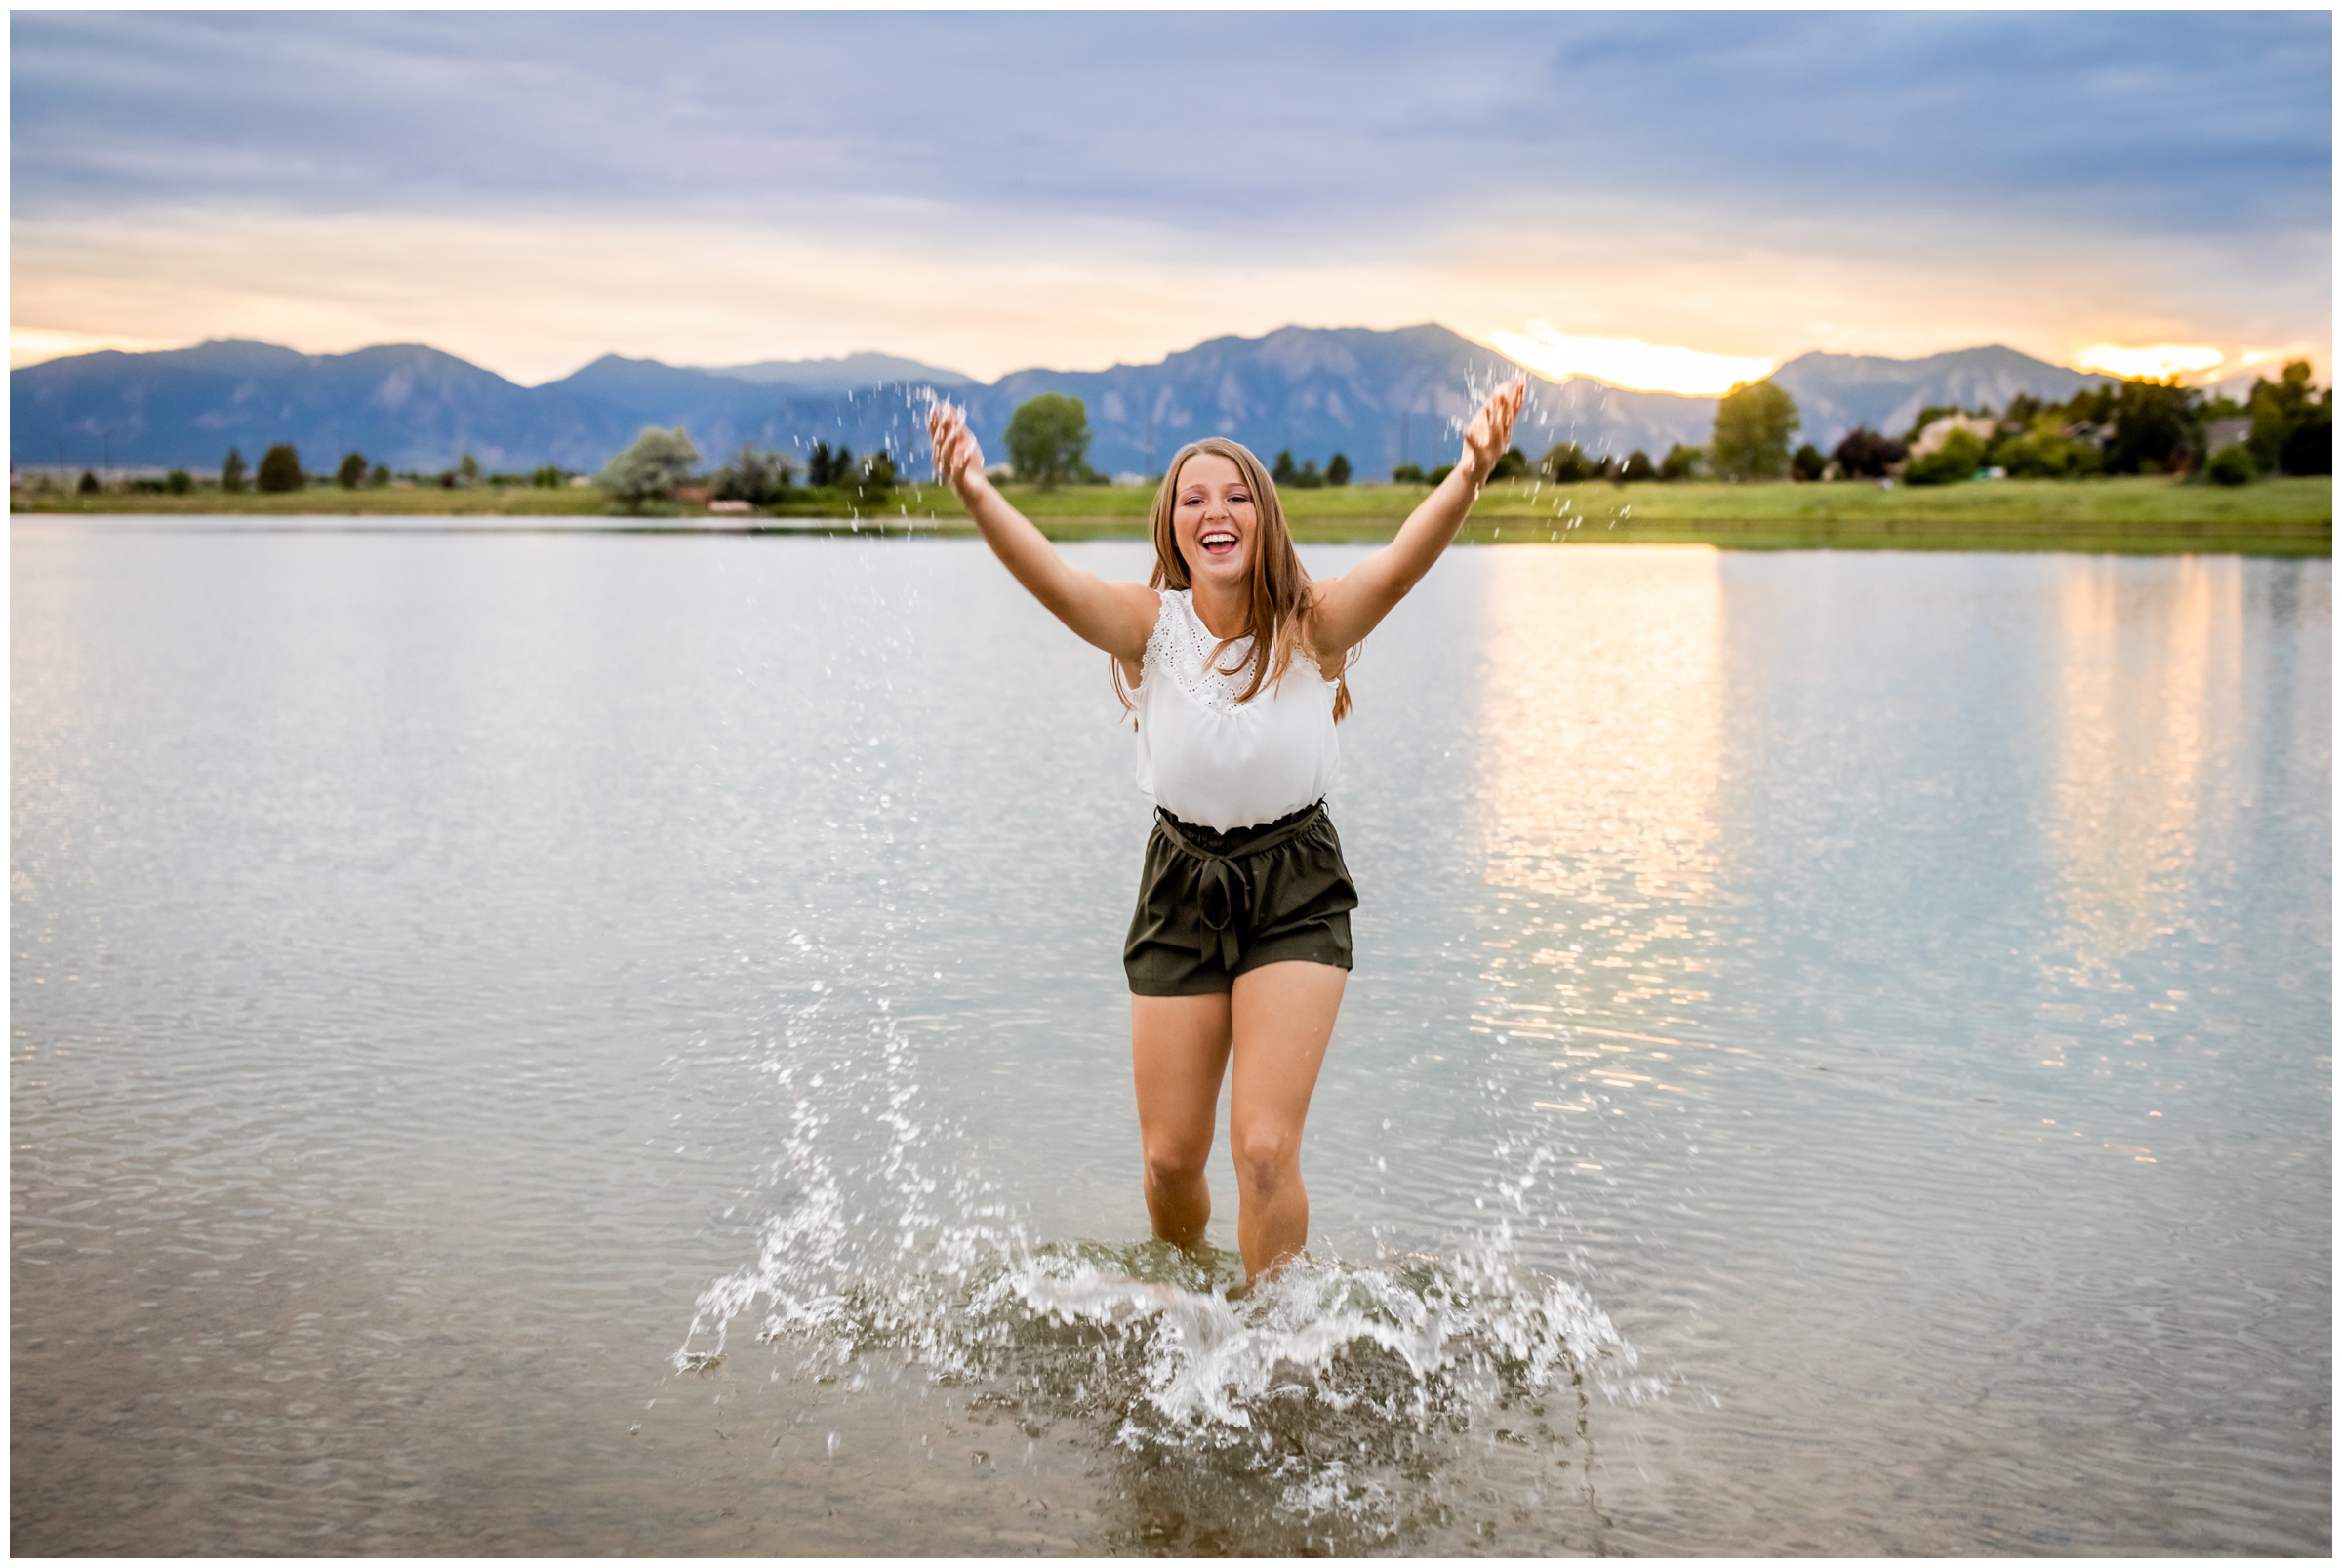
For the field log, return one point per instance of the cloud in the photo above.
(1113, 185)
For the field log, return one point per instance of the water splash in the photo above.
(1327, 1396)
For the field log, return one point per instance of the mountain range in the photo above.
(1381, 397)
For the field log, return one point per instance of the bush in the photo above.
(2231, 466)
(2043, 452)
(758, 478)
(280, 469)
(1408, 473)
(177, 482)
(1959, 458)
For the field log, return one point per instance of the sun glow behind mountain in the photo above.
(2156, 361)
(1627, 362)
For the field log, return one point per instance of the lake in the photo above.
(575, 1044)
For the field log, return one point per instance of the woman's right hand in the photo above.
(958, 459)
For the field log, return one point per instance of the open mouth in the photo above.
(1216, 541)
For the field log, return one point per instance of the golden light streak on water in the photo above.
(1603, 714)
(2150, 670)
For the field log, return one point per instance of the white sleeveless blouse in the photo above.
(1211, 760)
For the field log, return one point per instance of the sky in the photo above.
(1668, 199)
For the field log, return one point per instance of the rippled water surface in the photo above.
(564, 1044)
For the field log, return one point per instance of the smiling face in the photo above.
(1214, 519)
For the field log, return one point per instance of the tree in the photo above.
(1807, 463)
(1865, 454)
(1639, 467)
(89, 483)
(2308, 447)
(1309, 478)
(232, 472)
(378, 477)
(1752, 425)
(1681, 463)
(2291, 429)
(1049, 439)
(280, 469)
(1512, 465)
(1282, 472)
(1936, 410)
(1407, 474)
(656, 462)
(824, 468)
(351, 471)
(177, 482)
(2154, 426)
(1564, 464)
(469, 468)
(1337, 469)
(875, 478)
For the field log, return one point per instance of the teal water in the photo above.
(575, 1044)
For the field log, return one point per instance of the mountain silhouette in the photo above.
(1380, 397)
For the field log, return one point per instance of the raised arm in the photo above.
(1353, 604)
(1117, 617)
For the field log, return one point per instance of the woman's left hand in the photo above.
(1490, 433)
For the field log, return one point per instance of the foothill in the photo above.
(2135, 464)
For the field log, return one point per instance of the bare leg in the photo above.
(1177, 1054)
(1281, 1017)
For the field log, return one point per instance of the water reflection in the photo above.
(1601, 714)
(426, 1008)
(2149, 698)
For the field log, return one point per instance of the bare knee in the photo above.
(1267, 1157)
(1174, 1165)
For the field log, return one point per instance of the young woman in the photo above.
(1232, 660)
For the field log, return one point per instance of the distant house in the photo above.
(1938, 431)
(2231, 432)
(695, 495)
(729, 508)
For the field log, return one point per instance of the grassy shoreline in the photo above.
(2291, 517)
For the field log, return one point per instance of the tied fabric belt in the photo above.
(1224, 889)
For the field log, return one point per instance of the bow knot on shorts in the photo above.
(1213, 906)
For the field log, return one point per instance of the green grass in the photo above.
(2137, 515)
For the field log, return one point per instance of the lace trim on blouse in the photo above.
(1181, 646)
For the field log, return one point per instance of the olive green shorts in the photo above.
(1215, 905)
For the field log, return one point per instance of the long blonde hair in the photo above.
(1281, 602)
